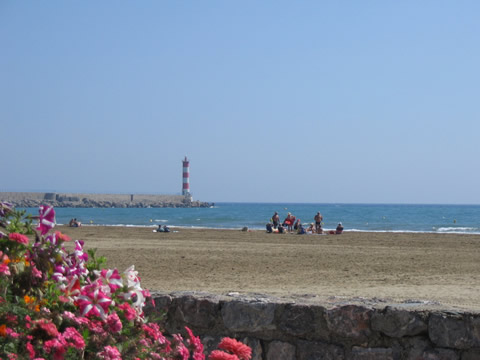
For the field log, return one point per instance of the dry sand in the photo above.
(443, 269)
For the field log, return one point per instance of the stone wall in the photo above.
(303, 329)
(33, 199)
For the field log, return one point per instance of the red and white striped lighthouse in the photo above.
(186, 177)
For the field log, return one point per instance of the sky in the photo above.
(272, 101)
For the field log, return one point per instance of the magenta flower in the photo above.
(5, 208)
(36, 273)
(195, 345)
(128, 311)
(47, 219)
(111, 278)
(110, 353)
(19, 238)
(4, 270)
(30, 350)
(114, 323)
(93, 302)
(74, 338)
(152, 330)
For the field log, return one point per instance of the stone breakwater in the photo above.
(34, 199)
(303, 329)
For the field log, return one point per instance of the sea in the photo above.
(463, 219)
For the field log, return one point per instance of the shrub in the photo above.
(59, 304)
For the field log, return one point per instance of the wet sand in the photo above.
(442, 269)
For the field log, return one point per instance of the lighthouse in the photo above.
(186, 178)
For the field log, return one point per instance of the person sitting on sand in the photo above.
(74, 223)
(269, 228)
(339, 228)
(281, 229)
(166, 228)
(311, 229)
(300, 229)
(297, 224)
(318, 229)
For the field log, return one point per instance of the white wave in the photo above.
(161, 220)
(457, 229)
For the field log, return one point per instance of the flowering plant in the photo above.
(59, 304)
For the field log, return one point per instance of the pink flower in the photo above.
(4, 270)
(58, 346)
(19, 238)
(62, 236)
(114, 323)
(11, 333)
(128, 311)
(96, 326)
(196, 345)
(74, 337)
(242, 351)
(48, 327)
(153, 331)
(93, 302)
(36, 273)
(47, 219)
(30, 350)
(110, 353)
(68, 315)
(111, 278)
(220, 355)
(11, 318)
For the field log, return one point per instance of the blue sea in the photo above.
(355, 217)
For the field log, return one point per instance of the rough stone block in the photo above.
(475, 330)
(472, 354)
(449, 331)
(297, 320)
(197, 312)
(248, 316)
(439, 354)
(278, 350)
(350, 322)
(359, 353)
(309, 350)
(399, 323)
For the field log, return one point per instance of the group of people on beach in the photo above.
(291, 224)
(163, 228)
(74, 223)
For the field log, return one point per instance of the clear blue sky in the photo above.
(273, 101)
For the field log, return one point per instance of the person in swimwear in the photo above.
(288, 222)
(339, 229)
(318, 222)
(275, 220)
(297, 224)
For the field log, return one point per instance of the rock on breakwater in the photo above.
(34, 199)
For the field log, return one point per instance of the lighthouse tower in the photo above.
(186, 178)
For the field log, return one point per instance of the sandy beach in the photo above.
(441, 269)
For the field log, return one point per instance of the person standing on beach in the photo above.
(318, 222)
(275, 220)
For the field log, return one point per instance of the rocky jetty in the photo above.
(34, 199)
